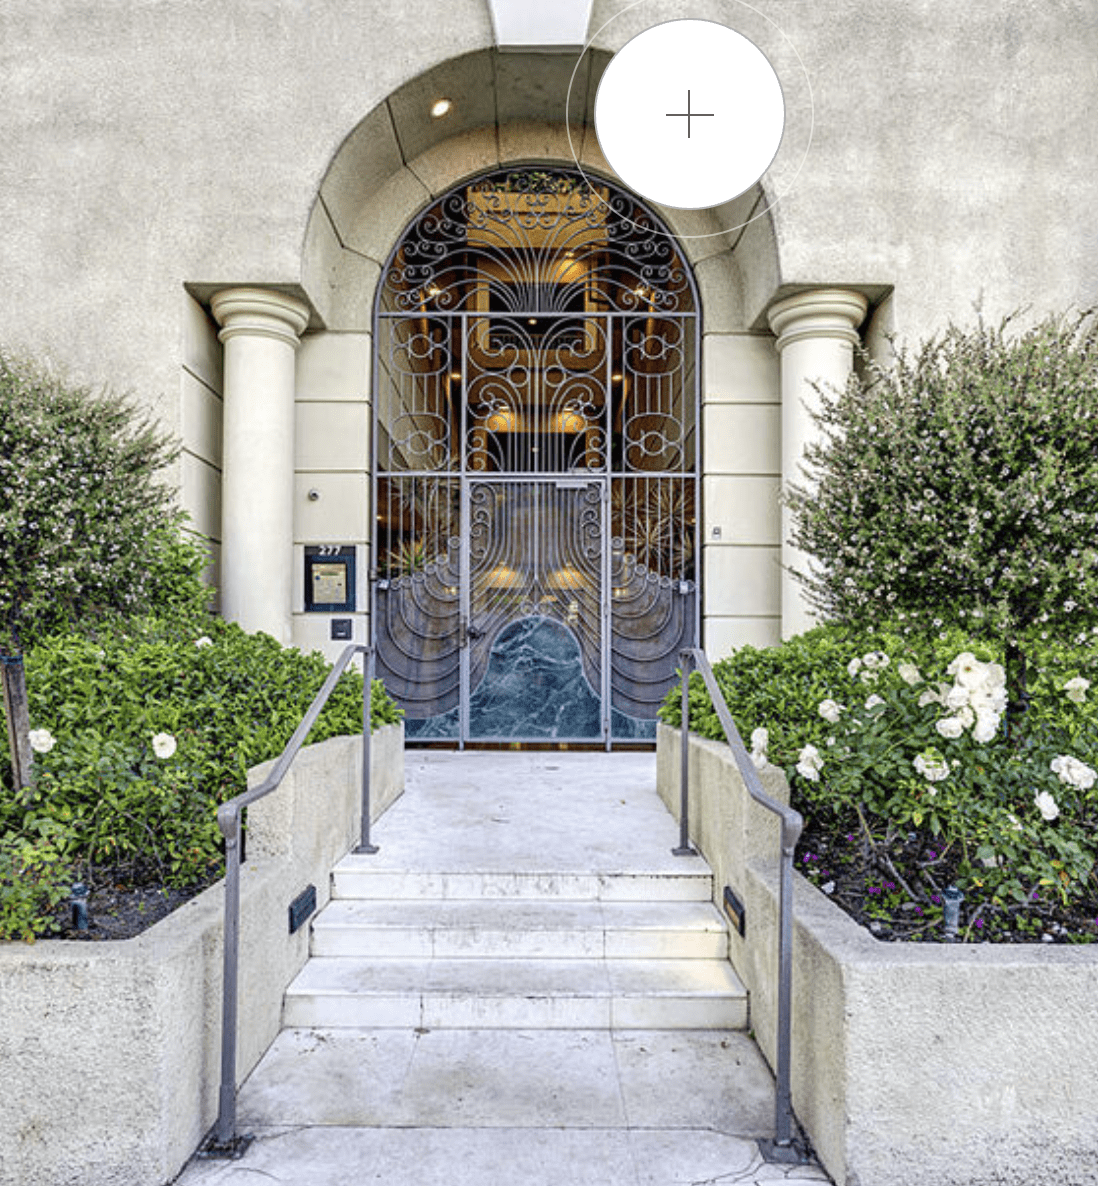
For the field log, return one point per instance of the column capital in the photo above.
(818, 313)
(259, 312)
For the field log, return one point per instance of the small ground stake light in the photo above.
(951, 912)
(80, 907)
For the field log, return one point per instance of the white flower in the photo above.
(830, 711)
(874, 700)
(42, 740)
(164, 745)
(1076, 689)
(987, 727)
(1073, 773)
(854, 666)
(988, 699)
(760, 739)
(995, 675)
(868, 676)
(956, 697)
(909, 673)
(929, 696)
(951, 727)
(810, 763)
(876, 660)
(1046, 805)
(967, 670)
(932, 767)
(1015, 822)
(204, 641)
(966, 716)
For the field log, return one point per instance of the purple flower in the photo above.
(979, 923)
(936, 899)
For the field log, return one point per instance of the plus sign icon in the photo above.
(689, 114)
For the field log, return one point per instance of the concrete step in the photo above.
(356, 877)
(517, 994)
(551, 929)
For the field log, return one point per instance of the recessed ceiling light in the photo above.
(441, 107)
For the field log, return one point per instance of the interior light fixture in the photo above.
(616, 377)
(441, 107)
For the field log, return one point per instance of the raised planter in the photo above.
(913, 1064)
(110, 1051)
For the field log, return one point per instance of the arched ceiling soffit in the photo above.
(508, 108)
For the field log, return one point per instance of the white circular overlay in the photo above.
(689, 114)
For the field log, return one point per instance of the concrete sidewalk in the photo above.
(512, 1106)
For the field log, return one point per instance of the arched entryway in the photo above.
(535, 462)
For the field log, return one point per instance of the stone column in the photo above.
(816, 332)
(260, 330)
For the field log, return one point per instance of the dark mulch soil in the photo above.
(897, 895)
(123, 902)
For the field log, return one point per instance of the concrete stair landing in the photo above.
(522, 988)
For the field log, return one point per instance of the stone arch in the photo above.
(507, 109)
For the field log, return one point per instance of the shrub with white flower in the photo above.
(164, 745)
(958, 486)
(1076, 689)
(42, 740)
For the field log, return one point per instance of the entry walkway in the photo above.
(522, 988)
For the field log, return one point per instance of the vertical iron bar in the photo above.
(684, 849)
(226, 1112)
(783, 1099)
(367, 733)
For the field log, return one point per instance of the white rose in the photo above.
(1073, 773)
(830, 711)
(874, 700)
(164, 745)
(931, 767)
(1046, 805)
(909, 673)
(854, 666)
(1076, 689)
(995, 675)
(964, 659)
(966, 716)
(876, 660)
(987, 727)
(951, 727)
(42, 740)
(956, 697)
(988, 699)
(204, 641)
(810, 763)
(929, 696)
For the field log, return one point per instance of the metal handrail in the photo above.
(224, 1141)
(792, 825)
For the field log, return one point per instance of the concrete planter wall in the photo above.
(110, 1051)
(913, 1064)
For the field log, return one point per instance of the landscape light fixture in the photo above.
(441, 107)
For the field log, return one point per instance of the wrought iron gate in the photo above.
(535, 463)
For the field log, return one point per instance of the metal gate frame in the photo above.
(605, 478)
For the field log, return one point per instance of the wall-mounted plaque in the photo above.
(329, 578)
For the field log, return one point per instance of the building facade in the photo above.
(440, 378)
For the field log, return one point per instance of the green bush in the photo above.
(897, 745)
(148, 726)
(959, 486)
(83, 513)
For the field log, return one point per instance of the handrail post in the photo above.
(684, 848)
(366, 847)
(783, 1099)
(226, 1142)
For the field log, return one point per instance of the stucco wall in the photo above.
(157, 144)
(913, 1063)
(111, 1051)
